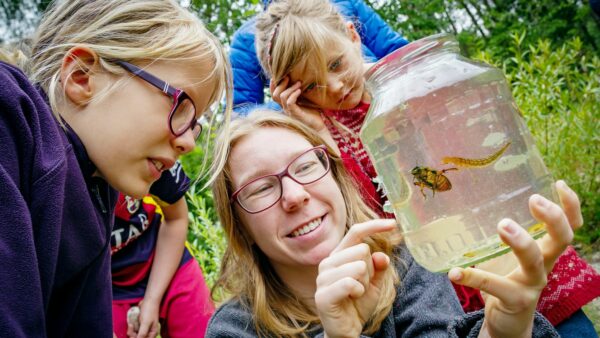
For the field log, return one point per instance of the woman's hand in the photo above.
(148, 321)
(287, 97)
(511, 300)
(350, 280)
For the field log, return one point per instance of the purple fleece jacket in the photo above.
(55, 222)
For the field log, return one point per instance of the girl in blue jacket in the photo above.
(114, 92)
(249, 80)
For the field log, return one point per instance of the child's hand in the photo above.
(350, 280)
(511, 300)
(287, 97)
(148, 321)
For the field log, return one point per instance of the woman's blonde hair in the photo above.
(290, 32)
(246, 273)
(136, 31)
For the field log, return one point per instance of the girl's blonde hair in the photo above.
(15, 53)
(292, 31)
(246, 273)
(140, 31)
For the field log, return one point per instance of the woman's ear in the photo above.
(352, 33)
(79, 66)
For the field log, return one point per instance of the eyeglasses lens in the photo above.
(182, 117)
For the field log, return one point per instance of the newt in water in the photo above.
(475, 163)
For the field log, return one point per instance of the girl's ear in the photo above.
(79, 66)
(352, 33)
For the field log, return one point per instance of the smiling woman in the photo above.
(284, 243)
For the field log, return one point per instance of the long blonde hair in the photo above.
(291, 31)
(246, 273)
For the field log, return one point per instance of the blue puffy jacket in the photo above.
(249, 81)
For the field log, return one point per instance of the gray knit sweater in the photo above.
(425, 306)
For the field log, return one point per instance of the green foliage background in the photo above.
(547, 49)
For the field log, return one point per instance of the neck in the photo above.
(302, 282)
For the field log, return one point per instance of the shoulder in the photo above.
(18, 94)
(27, 124)
(8, 70)
(346, 7)
(242, 53)
(232, 319)
(14, 85)
(245, 34)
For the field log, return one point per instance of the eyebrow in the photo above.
(259, 173)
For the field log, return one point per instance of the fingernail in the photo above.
(564, 186)
(508, 226)
(540, 201)
(391, 221)
(455, 274)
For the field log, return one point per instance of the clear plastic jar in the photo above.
(452, 151)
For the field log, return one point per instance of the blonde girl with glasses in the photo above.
(306, 257)
(112, 98)
(314, 59)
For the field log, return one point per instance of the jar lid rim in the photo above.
(412, 50)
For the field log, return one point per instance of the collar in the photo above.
(357, 113)
(88, 168)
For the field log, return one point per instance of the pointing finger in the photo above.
(358, 232)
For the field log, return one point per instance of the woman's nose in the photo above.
(293, 194)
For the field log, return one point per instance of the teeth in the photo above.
(307, 228)
(158, 165)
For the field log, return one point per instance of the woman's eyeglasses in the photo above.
(263, 192)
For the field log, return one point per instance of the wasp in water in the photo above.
(425, 177)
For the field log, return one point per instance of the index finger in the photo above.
(570, 203)
(143, 331)
(273, 85)
(559, 232)
(359, 231)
